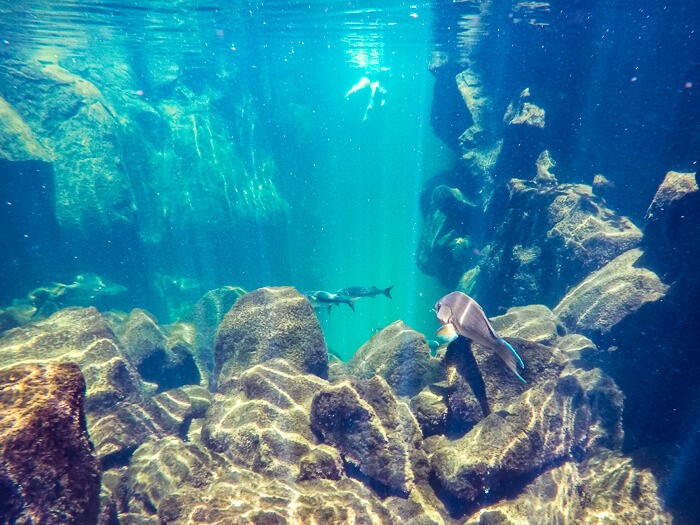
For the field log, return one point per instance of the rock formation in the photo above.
(397, 437)
(48, 469)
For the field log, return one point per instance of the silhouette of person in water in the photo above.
(376, 94)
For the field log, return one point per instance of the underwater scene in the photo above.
(358, 262)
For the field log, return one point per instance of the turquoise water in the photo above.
(172, 148)
(349, 185)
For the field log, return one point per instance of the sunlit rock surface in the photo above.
(607, 296)
(268, 323)
(277, 441)
(548, 239)
(401, 356)
(48, 469)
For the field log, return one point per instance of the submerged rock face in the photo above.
(48, 470)
(157, 359)
(268, 323)
(401, 356)
(373, 431)
(550, 238)
(672, 228)
(595, 306)
(277, 443)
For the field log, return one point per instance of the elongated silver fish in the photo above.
(461, 315)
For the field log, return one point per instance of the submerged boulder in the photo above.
(672, 228)
(372, 430)
(265, 324)
(596, 305)
(401, 356)
(48, 469)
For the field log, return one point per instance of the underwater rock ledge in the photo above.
(278, 442)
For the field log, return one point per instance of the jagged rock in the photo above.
(268, 323)
(672, 228)
(120, 414)
(445, 246)
(601, 185)
(81, 336)
(545, 425)
(431, 412)
(159, 358)
(535, 323)
(262, 423)
(480, 383)
(524, 113)
(401, 356)
(371, 429)
(605, 490)
(549, 240)
(610, 294)
(48, 469)
(579, 349)
(176, 480)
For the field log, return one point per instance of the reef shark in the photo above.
(461, 315)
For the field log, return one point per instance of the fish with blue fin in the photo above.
(459, 314)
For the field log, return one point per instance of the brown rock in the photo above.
(401, 356)
(269, 323)
(48, 470)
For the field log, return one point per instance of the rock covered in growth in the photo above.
(81, 336)
(535, 323)
(672, 227)
(261, 422)
(550, 238)
(48, 470)
(176, 482)
(604, 490)
(445, 246)
(609, 295)
(269, 323)
(401, 356)
(207, 314)
(543, 426)
(371, 429)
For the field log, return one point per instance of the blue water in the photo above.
(621, 90)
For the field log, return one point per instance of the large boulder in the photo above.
(606, 489)
(596, 305)
(48, 469)
(265, 324)
(373, 431)
(262, 423)
(672, 227)
(169, 362)
(401, 356)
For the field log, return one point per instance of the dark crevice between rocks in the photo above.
(381, 490)
(459, 353)
(117, 459)
(158, 368)
(504, 486)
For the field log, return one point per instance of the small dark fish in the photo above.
(462, 315)
(320, 297)
(361, 291)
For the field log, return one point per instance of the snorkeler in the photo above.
(377, 93)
